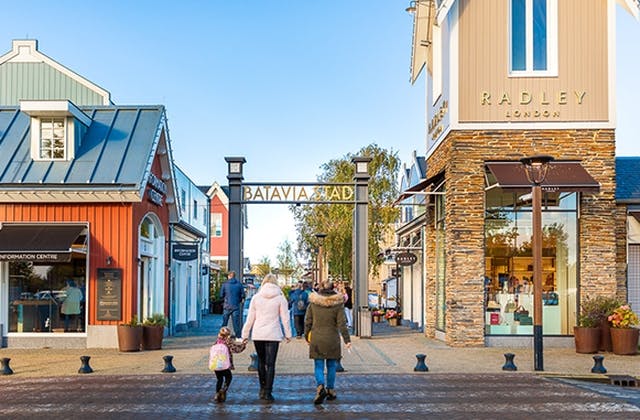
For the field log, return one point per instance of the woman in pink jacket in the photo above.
(268, 314)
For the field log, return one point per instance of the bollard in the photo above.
(254, 362)
(168, 366)
(85, 368)
(339, 367)
(509, 365)
(421, 366)
(6, 370)
(598, 367)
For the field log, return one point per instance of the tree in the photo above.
(287, 261)
(336, 220)
(263, 267)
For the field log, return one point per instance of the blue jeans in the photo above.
(331, 372)
(236, 317)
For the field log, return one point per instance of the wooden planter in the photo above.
(625, 340)
(152, 337)
(605, 336)
(587, 339)
(129, 338)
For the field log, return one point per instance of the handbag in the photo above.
(519, 313)
(510, 306)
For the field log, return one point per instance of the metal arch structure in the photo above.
(241, 194)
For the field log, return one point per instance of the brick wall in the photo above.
(461, 156)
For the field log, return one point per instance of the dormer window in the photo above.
(533, 38)
(52, 138)
(57, 128)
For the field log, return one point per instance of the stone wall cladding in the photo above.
(621, 252)
(462, 156)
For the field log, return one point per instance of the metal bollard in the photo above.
(85, 368)
(339, 367)
(421, 366)
(168, 365)
(6, 370)
(509, 365)
(598, 367)
(254, 362)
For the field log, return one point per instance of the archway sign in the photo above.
(241, 193)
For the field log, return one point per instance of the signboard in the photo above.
(46, 257)
(298, 193)
(406, 258)
(109, 294)
(184, 252)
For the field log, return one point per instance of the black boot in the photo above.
(321, 393)
(267, 395)
(223, 393)
(218, 397)
(331, 394)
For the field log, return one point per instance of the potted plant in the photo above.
(130, 335)
(624, 337)
(376, 314)
(587, 333)
(603, 306)
(153, 332)
(391, 316)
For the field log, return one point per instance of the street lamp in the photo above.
(320, 237)
(536, 168)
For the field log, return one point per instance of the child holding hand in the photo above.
(221, 361)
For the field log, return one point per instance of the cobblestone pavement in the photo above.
(455, 396)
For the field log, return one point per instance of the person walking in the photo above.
(298, 302)
(71, 304)
(268, 316)
(348, 305)
(221, 361)
(233, 295)
(324, 323)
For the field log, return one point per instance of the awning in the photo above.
(37, 242)
(419, 187)
(562, 176)
(635, 214)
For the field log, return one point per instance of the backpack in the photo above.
(301, 304)
(219, 357)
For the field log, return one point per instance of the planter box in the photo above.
(587, 340)
(152, 337)
(129, 338)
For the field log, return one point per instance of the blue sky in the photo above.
(287, 84)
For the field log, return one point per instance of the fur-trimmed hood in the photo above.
(326, 300)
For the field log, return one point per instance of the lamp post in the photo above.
(320, 237)
(536, 168)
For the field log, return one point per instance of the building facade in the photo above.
(509, 79)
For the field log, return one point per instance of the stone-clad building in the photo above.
(509, 79)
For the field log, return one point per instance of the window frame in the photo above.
(552, 41)
(37, 139)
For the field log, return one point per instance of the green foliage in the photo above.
(596, 310)
(336, 220)
(287, 261)
(286, 290)
(132, 323)
(157, 320)
(263, 267)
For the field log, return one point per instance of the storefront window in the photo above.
(509, 263)
(440, 261)
(47, 297)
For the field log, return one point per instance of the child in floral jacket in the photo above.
(223, 377)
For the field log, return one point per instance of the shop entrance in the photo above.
(241, 194)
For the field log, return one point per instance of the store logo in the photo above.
(406, 258)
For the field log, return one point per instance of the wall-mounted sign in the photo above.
(109, 294)
(406, 258)
(298, 193)
(157, 191)
(183, 252)
(36, 256)
(526, 104)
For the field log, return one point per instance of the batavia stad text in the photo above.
(298, 193)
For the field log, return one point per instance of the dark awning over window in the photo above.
(37, 242)
(635, 214)
(562, 176)
(419, 187)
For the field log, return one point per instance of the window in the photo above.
(195, 210)
(183, 200)
(52, 138)
(216, 225)
(534, 38)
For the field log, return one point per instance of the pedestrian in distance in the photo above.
(324, 323)
(221, 361)
(268, 316)
(71, 304)
(233, 295)
(348, 305)
(298, 302)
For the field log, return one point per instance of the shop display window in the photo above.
(509, 263)
(47, 297)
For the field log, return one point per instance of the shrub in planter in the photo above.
(130, 335)
(624, 336)
(587, 333)
(153, 332)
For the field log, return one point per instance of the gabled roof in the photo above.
(24, 61)
(628, 179)
(113, 157)
(222, 192)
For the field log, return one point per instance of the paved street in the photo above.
(458, 396)
(379, 382)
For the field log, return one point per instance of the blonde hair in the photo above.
(326, 285)
(269, 278)
(224, 332)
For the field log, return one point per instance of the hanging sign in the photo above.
(184, 252)
(406, 258)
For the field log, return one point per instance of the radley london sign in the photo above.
(534, 104)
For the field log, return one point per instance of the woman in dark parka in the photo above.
(323, 324)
